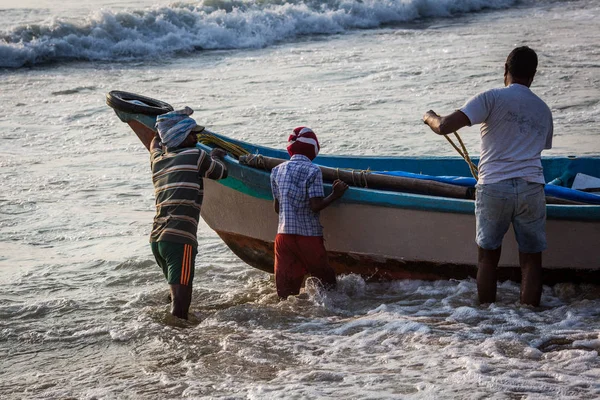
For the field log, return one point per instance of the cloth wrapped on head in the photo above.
(303, 141)
(173, 127)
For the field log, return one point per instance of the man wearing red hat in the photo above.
(298, 195)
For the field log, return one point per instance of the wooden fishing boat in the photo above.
(385, 234)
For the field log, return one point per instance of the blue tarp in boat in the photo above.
(551, 190)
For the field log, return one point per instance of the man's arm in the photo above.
(448, 124)
(156, 149)
(274, 191)
(155, 144)
(319, 203)
(213, 167)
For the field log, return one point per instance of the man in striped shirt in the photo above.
(178, 167)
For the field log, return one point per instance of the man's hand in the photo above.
(448, 124)
(339, 187)
(218, 153)
(155, 144)
(319, 203)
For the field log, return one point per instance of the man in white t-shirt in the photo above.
(516, 125)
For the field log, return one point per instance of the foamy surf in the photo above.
(183, 28)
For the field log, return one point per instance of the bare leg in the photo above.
(487, 265)
(531, 278)
(181, 296)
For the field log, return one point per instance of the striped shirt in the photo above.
(177, 178)
(293, 184)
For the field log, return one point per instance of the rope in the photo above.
(208, 138)
(464, 153)
(361, 177)
(255, 160)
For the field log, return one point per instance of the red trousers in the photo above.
(297, 256)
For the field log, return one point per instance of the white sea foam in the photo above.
(183, 28)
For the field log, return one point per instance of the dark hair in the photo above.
(522, 62)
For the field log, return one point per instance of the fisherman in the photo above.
(178, 167)
(516, 125)
(298, 195)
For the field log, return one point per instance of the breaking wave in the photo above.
(183, 28)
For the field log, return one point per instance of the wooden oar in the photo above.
(369, 180)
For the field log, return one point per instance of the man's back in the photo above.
(177, 178)
(516, 127)
(294, 183)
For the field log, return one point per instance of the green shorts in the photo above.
(177, 260)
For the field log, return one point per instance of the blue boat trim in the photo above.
(256, 183)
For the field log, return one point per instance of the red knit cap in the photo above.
(303, 141)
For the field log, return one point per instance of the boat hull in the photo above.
(389, 234)
(385, 243)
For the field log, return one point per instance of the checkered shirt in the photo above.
(293, 183)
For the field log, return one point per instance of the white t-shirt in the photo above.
(516, 126)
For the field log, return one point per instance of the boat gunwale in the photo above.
(256, 182)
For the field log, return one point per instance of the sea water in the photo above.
(83, 306)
